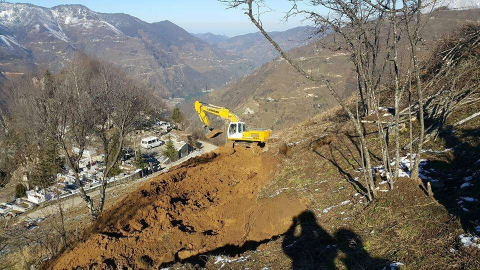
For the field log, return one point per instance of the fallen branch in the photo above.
(466, 119)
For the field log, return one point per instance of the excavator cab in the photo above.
(235, 130)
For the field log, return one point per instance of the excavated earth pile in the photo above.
(208, 203)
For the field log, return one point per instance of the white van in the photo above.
(151, 142)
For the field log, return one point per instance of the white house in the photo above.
(6, 208)
(182, 149)
(35, 197)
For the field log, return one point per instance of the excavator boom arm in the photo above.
(238, 132)
(203, 108)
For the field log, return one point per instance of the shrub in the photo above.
(20, 191)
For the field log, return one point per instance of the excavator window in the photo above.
(240, 128)
(232, 129)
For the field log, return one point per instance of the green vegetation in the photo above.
(115, 170)
(140, 161)
(170, 150)
(177, 116)
(49, 164)
(20, 191)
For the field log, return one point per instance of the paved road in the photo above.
(76, 200)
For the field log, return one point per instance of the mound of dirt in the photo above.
(208, 203)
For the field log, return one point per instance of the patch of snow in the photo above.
(226, 260)
(477, 229)
(458, 4)
(249, 111)
(6, 42)
(465, 185)
(393, 266)
(468, 199)
(469, 240)
(114, 29)
(402, 173)
(468, 178)
(326, 210)
(14, 41)
(57, 34)
(345, 202)
(278, 192)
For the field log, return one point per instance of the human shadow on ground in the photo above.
(309, 246)
(454, 174)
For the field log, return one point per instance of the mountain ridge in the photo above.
(255, 48)
(161, 53)
(276, 96)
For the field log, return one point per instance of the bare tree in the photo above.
(99, 102)
(335, 24)
(90, 103)
(370, 32)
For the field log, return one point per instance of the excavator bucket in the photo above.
(213, 133)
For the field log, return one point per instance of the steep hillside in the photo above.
(256, 49)
(275, 96)
(161, 53)
(300, 202)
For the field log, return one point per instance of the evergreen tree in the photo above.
(113, 144)
(177, 116)
(170, 150)
(49, 164)
(115, 170)
(140, 161)
(20, 191)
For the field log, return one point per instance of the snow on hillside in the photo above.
(459, 4)
(9, 40)
(30, 17)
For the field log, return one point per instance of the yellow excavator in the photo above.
(236, 131)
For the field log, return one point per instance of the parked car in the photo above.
(127, 154)
(151, 142)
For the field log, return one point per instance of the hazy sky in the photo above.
(195, 16)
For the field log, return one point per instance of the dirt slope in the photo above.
(206, 204)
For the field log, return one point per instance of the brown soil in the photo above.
(209, 203)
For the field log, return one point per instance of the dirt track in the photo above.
(208, 203)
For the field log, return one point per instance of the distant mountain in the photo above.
(256, 48)
(276, 96)
(162, 53)
(211, 38)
